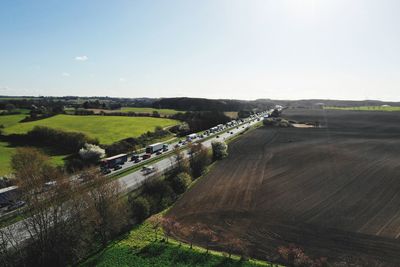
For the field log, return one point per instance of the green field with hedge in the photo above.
(107, 129)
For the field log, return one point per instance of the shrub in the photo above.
(160, 194)
(180, 182)
(220, 150)
(91, 152)
(140, 208)
(69, 142)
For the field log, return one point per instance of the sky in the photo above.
(249, 49)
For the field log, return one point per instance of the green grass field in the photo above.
(150, 110)
(10, 120)
(107, 129)
(139, 248)
(367, 108)
(5, 157)
(6, 152)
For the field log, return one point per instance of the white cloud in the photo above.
(81, 58)
(66, 74)
(122, 80)
(4, 88)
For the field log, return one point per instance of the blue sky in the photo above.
(286, 49)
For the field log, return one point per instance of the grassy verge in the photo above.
(139, 248)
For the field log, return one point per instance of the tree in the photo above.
(198, 160)
(219, 149)
(140, 207)
(181, 163)
(9, 107)
(54, 232)
(233, 244)
(180, 182)
(191, 232)
(155, 221)
(91, 153)
(207, 236)
(108, 212)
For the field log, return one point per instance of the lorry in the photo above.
(154, 148)
(111, 162)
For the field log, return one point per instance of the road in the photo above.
(134, 180)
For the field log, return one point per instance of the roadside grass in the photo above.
(139, 248)
(107, 129)
(367, 108)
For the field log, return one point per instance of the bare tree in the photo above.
(207, 236)
(108, 213)
(155, 221)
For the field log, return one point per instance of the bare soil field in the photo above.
(333, 190)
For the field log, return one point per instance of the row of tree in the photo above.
(67, 219)
(64, 219)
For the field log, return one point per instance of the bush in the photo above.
(220, 150)
(180, 182)
(140, 208)
(160, 194)
(69, 142)
(199, 159)
(91, 152)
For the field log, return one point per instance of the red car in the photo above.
(146, 156)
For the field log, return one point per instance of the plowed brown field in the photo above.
(335, 190)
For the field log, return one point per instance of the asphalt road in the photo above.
(135, 179)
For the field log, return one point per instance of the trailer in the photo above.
(9, 195)
(113, 161)
(154, 148)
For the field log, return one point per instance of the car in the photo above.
(180, 142)
(117, 167)
(176, 146)
(184, 143)
(137, 160)
(134, 157)
(217, 136)
(146, 156)
(148, 169)
(159, 152)
(105, 171)
(231, 132)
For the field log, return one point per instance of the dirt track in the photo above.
(335, 191)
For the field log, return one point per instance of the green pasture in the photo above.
(107, 129)
(10, 120)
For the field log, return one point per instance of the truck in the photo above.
(154, 148)
(111, 162)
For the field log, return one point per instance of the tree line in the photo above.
(68, 219)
